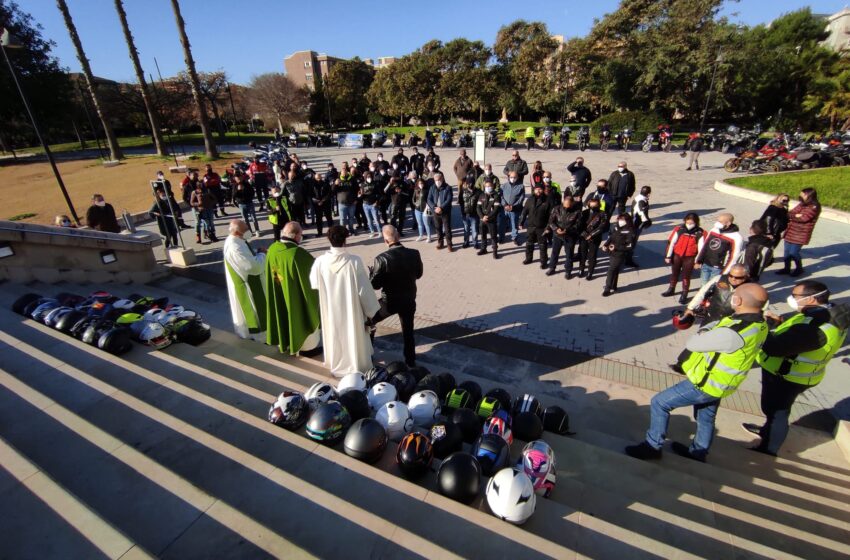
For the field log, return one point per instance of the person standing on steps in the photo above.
(440, 203)
(713, 300)
(621, 185)
(489, 212)
(801, 223)
(794, 357)
(203, 202)
(683, 245)
(715, 362)
(620, 243)
(244, 270)
(278, 210)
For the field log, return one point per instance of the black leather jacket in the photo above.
(622, 238)
(396, 271)
(490, 205)
(568, 219)
(776, 219)
(593, 224)
(469, 201)
(536, 210)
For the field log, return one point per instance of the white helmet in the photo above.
(155, 335)
(396, 420)
(424, 407)
(125, 304)
(152, 315)
(351, 382)
(510, 495)
(381, 394)
(538, 462)
(320, 393)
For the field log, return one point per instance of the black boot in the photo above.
(669, 292)
(683, 299)
(495, 252)
(643, 451)
(787, 269)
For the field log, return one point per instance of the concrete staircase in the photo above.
(169, 454)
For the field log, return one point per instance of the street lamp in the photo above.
(717, 62)
(9, 41)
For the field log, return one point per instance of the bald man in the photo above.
(711, 302)
(720, 249)
(246, 286)
(716, 362)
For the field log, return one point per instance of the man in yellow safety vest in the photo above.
(716, 362)
(795, 356)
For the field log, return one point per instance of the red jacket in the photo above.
(801, 223)
(684, 243)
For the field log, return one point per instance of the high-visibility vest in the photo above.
(529, 132)
(718, 374)
(807, 368)
(274, 217)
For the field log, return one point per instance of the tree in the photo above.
(275, 95)
(524, 50)
(319, 114)
(209, 143)
(111, 140)
(407, 86)
(347, 84)
(153, 118)
(829, 96)
(465, 83)
(213, 88)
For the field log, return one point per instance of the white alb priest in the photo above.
(244, 270)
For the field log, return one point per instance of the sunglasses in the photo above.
(737, 277)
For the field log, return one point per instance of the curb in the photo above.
(826, 213)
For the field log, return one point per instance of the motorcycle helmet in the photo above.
(124, 304)
(381, 394)
(328, 423)
(54, 314)
(115, 341)
(153, 315)
(419, 372)
(510, 495)
(500, 395)
(414, 455)
(289, 411)
(474, 390)
(527, 426)
(487, 406)
(396, 367)
(429, 383)
(100, 309)
(424, 407)
(556, 420)
(396, 419)
(366, 440)
(351, 382)
(30, 308)
(447, 383)
(492, 453)
(67, 321)
(80, 326)
(459, 477)
(40, 312)
(375, 375)
(405, 384)
(155, 335)
(458, 398)
(22, 302)
(500, 425)
(468, 422)
(319, 393)
(69, 300)
(446, 438)
(356, 404)
(190, 331)
(526, 403)
(682, 321)
(95, 330)
(537, 461)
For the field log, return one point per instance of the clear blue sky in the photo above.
(246, 38)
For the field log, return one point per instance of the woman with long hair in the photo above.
(683, 246)
(775, 216)
(801, 223)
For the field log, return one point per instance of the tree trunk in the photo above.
(218, 123)
(79, 136)
(111, 140)
(209, 143)
(153, 118)
(279, 125)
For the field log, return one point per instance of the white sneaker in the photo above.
(419, 238)
(429, 240)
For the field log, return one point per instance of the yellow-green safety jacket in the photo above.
(529, 132)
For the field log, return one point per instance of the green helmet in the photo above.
(458, 398)
(487, 406)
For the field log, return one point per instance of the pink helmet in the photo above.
(538, 462)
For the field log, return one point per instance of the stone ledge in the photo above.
(842, 437)
(740, 192)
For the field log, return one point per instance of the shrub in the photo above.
(643, 121)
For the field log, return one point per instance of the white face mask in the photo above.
(488, 190)
(621, 223)
(621, 169)
(395, 166)
(430, 168)
(794, 303)
(547, 180)
(372, 168)
(488, 172)
(689, 227)
(369, 180)
(100, 203)
(380, 158)
(438, 183)
(718, 225)
(513, 180)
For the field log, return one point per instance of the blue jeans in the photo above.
(706, 273)
(249, 213)
(792, 254)
(346, 216)
(506, 217)
(470, 226)
(372, 218)
(204, 220)
(682, 394)
(423, 223)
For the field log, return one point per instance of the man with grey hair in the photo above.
(246, 286)
(395, 273)
(440, 205)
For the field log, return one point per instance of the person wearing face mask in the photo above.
(564, 222)
(621, 185)
(721, 248)
(165, 184)
(398, 192)
(370, 193)
(489, 214)
(758, 253)
(582, 175)
(440, 203)
(417, 162)
(552, 190)
(513, 198)
(468, 197)
(63, 220)
(537, 174)
(487, 175)
(801, 223)
(795, 356)
(517, 165)
(606, 203)
(683, 245)
(594, 224)
(101, 215)
(345, 190)
(621, 242)
(365, 163)
(296, 195)
(640, 219)
(322, 196)
(775, 217)
(401, 162)
(432, 158)
(161, 211)
(420, 203)
(246, 283)
(716, 361)
(212, 182)
(278, 205)
(713, 300)
(536, 212)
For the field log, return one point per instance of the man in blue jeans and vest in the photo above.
(716, 362)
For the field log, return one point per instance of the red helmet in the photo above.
(682, 321)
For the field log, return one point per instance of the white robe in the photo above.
(346, 301)
(238, 255)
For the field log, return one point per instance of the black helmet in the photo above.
(67, 321)
(115, 341)
(430, 383)
(290, 410)
(419, 372)
(474, 390)
(80, 326)
(492, 453)
(68, 299)
(41, 311)
(458, 398)
(468, 422)
(95, 329)
(447, 383)
(375, 375)
(328, 423)
(500, 395)
(446, 438)
(556, 420)
(527, 426)
(526, 403)
(356, 403)
(414, 454)
(30, 308)
(22, 302)
(51, 318)
(366, 440)
(396, 367)
(190, 331)
(405, 385)
(459, 477)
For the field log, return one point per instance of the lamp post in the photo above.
(9, 41)
(717, 62)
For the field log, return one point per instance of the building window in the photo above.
(308, 76)
(307, 64)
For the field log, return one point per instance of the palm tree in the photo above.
(209, 144)
(158, 141)
(114, 149)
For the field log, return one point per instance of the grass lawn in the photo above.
(832, 184)
(518, 126)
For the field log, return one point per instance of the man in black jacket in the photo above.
(621, 185)
(417, 162)
(516, 164)
(322, 196)
(564, 223)
(395, 273)
(402, 162)
(536, 211)
(594, 224)
(582, 175)
(489, 210)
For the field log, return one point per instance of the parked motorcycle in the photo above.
(546, 139)
(565, 137)
(464, 140)
(397, 139)
(605, 137)
(367, 140)
(626, 138)
(648, 142)
(492, 137)
(293, 139)
(325, 140)
(583, 138)
(379, 138)
(413, 139)
(665, 138)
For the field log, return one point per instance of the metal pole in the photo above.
(717, 62)
(47, 151)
